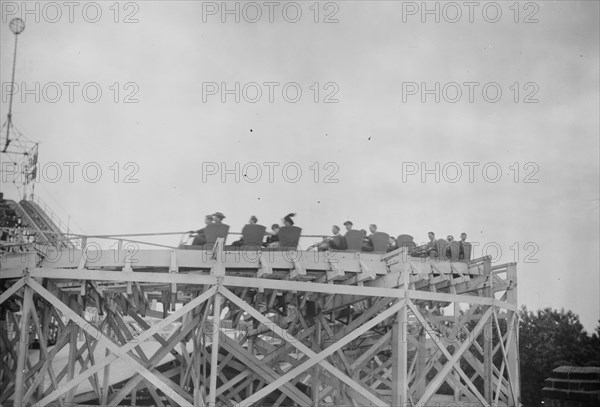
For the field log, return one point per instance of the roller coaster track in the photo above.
(37, 220)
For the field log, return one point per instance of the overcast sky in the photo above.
(517, 91)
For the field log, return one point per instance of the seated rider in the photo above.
(199, 237)
(335, 242)
(252, 221)
(272, 238)
(368, 241)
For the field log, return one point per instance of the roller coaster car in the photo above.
(289, 236)
(380, 242)
(354, 239)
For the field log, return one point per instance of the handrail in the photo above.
(42, 204)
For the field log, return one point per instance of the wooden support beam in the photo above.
(22, 353)
(400, 352)
(264, 268)
(298, 271)
(12, 290)
(173, 269)
(513, 344)
(214, 357)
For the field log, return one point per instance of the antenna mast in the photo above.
(17, 26)
(28, 170)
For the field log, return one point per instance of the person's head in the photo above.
(450, 238)
(218, 217)
(348, 225)
(335, 229)
(253, 219)
(463, 236)
(287, 220)
(373, 228)
(431, 236)
(208, 219)
(275, 228)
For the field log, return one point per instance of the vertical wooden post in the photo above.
(214, 358)
(23, 347)
(400, 352)
(513, 346)
(488, 345)
(73, 332)
(457, 328)
(316, 384)
(105, 380)
(422, 356)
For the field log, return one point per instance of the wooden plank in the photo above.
(195, 279)
(312, 260)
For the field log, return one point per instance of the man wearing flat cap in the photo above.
(348, 224)
(218, 217)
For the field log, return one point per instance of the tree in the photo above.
(547, 339)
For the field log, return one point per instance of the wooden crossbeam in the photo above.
(505, 358)
(153, 361)
(263, 370)
(11, 290)
(118, 351)
(451, 359)
(313, 357)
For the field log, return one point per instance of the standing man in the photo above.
(450, 239)
(461, 246)
(431, 249)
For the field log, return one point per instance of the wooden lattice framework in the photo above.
(302, 328)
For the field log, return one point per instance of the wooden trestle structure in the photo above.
(257, 328)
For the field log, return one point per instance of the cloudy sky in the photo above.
(480, 118)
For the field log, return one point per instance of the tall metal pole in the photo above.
(17, 26)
